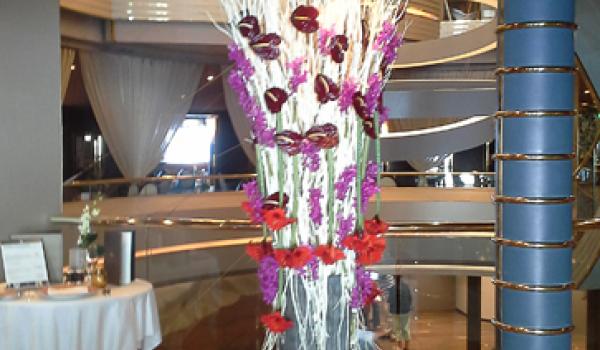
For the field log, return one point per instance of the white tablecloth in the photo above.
(125, 320)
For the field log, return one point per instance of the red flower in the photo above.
(247, 208)
(266, 46)
(275, 98)
(360, 106)
(329, 254)
(325, 136)
(376, 226)
(257, 251)
(304, 18)
(276, 219)
(295, 258)
(375, 292)
(276, 323)
(369, 248)
(339, 46)
(249, 27)
(326, 89)
(289, 142)
(369, 127)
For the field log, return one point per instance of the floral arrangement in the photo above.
(309, 76)
(86, 236)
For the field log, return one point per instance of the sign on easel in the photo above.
(24, 264)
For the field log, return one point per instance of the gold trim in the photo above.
(531, 331)
(525, 200)
(539, 245)
(519, 70)
(535, 25)
(536, 114)
(534, 288)
(520, 156)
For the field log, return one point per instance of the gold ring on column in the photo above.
(538, 245)
(536, 114)
(519, 156)
(527, 200)
(531, 331)
(534, 288)
(518, 70)
(535, 25)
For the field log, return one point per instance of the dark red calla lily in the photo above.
(272, 201)
(325, 136)
(275, 98)
(360, 106)
(266, 46)
(304, 18)
(289, 142)
(339, 46)
(326, 89)
(369, 127)
(249, 27)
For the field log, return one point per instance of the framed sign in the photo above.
(24, 263)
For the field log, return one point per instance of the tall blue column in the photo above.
(534, 162)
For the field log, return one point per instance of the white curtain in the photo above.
(67, 57)
(240, 123)
(139, 103)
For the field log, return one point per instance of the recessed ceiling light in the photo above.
(131, 18)
(587, 92)
(73, 67)
(210, 77)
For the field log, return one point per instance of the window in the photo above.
(193, 141)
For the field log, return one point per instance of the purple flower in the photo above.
(242, 63)
(312, 159)
(349, 87)
(256, 116)
(369, 185)
(388, 42)
(325, 36)
(268, 278)
(315, 196)
(345, 226)
(255, 200)
(373, 92)
(363, 287)
(313, 267)
(299, 75)
(344, 182)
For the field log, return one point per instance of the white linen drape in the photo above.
(67, 57)
(240, 123)
(139, 103)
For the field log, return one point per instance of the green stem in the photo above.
(296, 198)
(330, 194)
(260, 178)
(279, 302)
(378, 160)
(359, 139)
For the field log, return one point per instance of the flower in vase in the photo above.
(249, 27)
(324, 136)
(289, 141)
(304, 18)
(369, 248)
(329, 254)
(275, 98)
(316, 214)
(360, 105)
(339, 46)
(258, 251)
(266, 46)
(326, 89)
(299, 75)
(276, 323)
(376, 226)
(276, 219)
(347, 94)
(325, 35)
(295, 258)
(272, 201)
(268, 278)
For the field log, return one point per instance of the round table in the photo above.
(127, 319)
